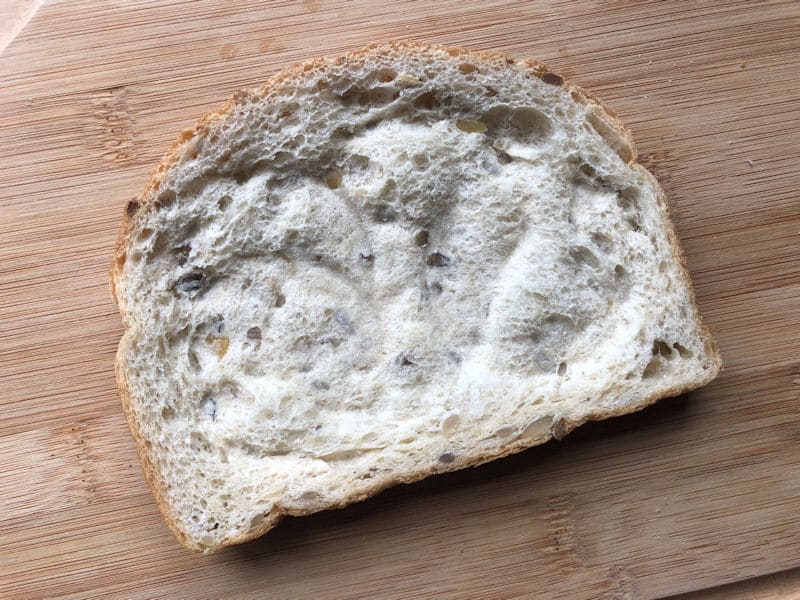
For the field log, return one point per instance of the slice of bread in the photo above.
(399, 262)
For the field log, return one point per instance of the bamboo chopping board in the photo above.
(695, 492)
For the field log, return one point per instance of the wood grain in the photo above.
(697, 492)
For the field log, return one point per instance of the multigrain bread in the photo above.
(399, 262)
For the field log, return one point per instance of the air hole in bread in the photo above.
(431, 289)
(420, 160)
(601, 240)
(426, 101)
(366, 258)
(447, 458)
(168, 413)
(406, 360)
(279, 300)
(662, 348)
(224, 202)
(587, 169)
(282, 159)
(467, 68)
(359, 169)
(287, 110)
(369, 97)
(503, 157)
(582, 255)
(471, 126)
(654, 368)
(350, 94)
(178, 336)
(144, 235)
(182, 253)
(437, 259)
(160, 242)
(385, 75)
(342, 132)
(558, 322)
(619, 271)
(524, 123)
(628, 199)
(596, 178)
(421, 238)
(194, 362)
(245, 173)
(562, 368)
(293, 144)
(310, 496)
(384, 213)
(165, 199)
(683, 351)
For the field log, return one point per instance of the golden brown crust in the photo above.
(607, 118)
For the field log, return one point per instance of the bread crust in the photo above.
(148, 197)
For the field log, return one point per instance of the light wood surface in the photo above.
(696, 492)
(14, 14)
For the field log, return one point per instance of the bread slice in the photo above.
(407, 260)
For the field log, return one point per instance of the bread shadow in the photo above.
(374, 521)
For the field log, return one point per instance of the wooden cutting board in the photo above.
(695, 492)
